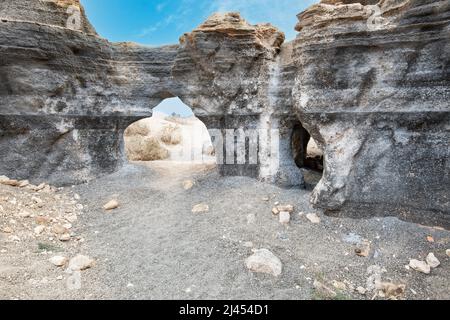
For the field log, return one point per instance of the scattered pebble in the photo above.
(313, 218)
(200, 208)
(285, 217)
(111, 205)
(432, 261)
(80, 263)
(420, 266)
(58, 261)
(264, 261)
(65, 237)
(188, 184)
(447, 252)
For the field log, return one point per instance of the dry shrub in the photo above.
(137, 129)
(140, 148)
(171, 135)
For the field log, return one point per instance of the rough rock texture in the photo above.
(243, 67)
(370, 83)
(66, 96)
(375, 94)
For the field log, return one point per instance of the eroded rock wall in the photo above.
(236, 76)
(374, 92)
(67, 95)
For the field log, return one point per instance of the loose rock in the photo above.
(420, 266)
(58, 261)
(264, 261)
(80, 263)
(111, 205)
(188, 184)
(447, 252)
(313, 218)
(200, 208)
(285, 217)
(432, 261)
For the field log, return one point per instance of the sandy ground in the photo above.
(154, 247)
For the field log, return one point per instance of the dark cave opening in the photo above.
(307, 155)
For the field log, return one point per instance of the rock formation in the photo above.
(373, 89)
(368, 80)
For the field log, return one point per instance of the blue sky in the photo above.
(159, 22)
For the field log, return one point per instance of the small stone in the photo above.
(264, 261)
(288, 208)
(285, 217)
(58, 261)
(9, 182)
(79, 206)
(265, 199)
(275, 211)
(361, 290)
(111, 205)
(59, 229)
(7, 230)
(39, 229)
(76, 196)
(432, 261)
(80, 263)
(59, 278)
(72, 218)
(430, 239)
(420, 266)
(313, 218)
(200, 208)
(64, 237)
(24, 183)
(188, 184)
(40, 187)
(447, 252)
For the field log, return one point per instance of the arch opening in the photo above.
(307, 156)
(173, 135)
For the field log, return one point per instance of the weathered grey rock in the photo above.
(66, 95)
(376, 98)
(372, 90)
(244, 68)
(264, 261)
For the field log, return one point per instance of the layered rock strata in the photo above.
(373, 89)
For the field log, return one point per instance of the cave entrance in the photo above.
(307, 155)
(173, 136)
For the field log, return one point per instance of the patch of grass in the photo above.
(48, 247)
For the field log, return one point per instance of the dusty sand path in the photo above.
(154, 247)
